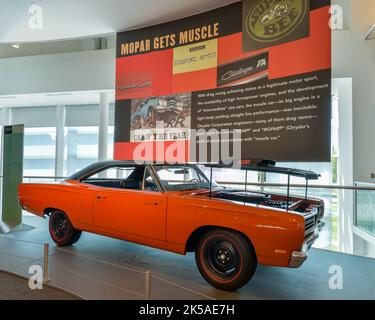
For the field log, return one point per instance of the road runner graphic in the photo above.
(243, 71)
(280, 10)
(270, 22)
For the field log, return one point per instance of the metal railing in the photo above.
(48, 280)
(45, 255)
(238, 183)
(285, 185)
(364, 209)
(29, 178)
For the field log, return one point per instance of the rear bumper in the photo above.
(299, 257)
(20, 204)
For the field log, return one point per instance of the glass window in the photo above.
(113, 173)
(35, 117)
(118, 178)
(39, 152)
(81, 148)
(149, 183)
(365, 208)
(230, 177)
(111, 139)
(181, 177)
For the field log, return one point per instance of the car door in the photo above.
(133, 215)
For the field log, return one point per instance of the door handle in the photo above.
(100, 197)
(151, 203)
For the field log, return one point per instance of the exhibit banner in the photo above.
(13, 143)
(257, 70)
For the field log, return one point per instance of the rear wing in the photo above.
(268, 166)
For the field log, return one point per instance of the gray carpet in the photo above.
(16, 288)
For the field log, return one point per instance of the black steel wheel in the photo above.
(62, 230)
(225, 259)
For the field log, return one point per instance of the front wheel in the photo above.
(61, 229)
(225, 259)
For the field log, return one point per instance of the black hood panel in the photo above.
(242, 196)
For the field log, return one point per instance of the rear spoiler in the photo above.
(267, 166)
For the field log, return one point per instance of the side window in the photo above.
(179, 175)
(118, 178)
(113, 173)
(149, 183)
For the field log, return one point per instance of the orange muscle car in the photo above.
(177, 208)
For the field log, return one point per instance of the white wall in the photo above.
(354, 57)
(343, 90)
(341, 54)
(76, 71)
(341, 42)
(347, 12)
(363, 64)
(56, 47)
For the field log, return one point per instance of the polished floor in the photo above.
(103, 268)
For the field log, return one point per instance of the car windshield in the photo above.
(181, 177)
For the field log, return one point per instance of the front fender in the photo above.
(274, 234)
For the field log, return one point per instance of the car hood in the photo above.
(231, 195)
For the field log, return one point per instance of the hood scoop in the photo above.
(242, 196)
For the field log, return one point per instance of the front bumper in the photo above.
(299, 257)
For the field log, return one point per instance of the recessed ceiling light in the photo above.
(371, 33)
(58, 94)
(16, 45)
(8, 97)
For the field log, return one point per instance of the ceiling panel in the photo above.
(81, 18)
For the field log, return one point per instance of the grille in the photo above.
(310, 224)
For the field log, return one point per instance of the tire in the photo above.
(61, 229)
(225, 259)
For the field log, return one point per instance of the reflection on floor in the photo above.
(103, 268)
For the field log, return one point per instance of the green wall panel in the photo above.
(12, 174)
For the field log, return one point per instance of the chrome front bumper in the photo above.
(299, 257)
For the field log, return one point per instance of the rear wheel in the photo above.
(61, 229)
(225, 259)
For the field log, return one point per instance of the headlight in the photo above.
(321, 210)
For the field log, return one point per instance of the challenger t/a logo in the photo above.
(271, 22)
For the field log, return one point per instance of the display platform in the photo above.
(102, 268)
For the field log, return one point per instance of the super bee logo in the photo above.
(272, 20)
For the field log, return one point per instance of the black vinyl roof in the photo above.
(254, 165)
(98, 166)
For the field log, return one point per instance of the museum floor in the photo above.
(16, 288)
(103, 268)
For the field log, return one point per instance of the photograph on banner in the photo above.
(160, 118)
